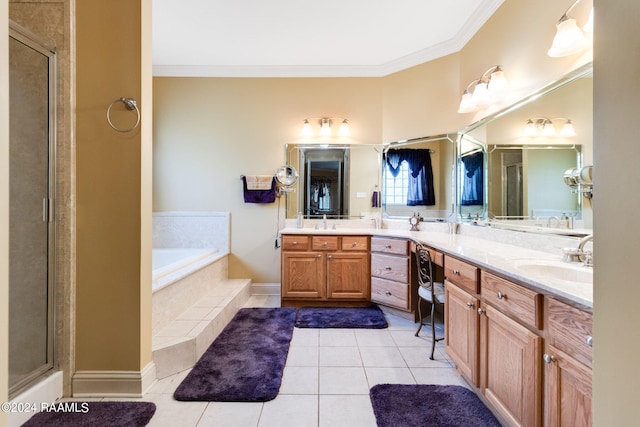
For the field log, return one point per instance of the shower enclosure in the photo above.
(31, 195)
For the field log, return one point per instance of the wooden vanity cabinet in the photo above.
(325, 268)
(393, 282)
(568, 371)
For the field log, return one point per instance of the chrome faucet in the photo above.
(549, 221)
(587, 256)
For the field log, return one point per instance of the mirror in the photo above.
(430, 192)
(287, 175)
(524, 172)
(334, 180)
(471, 164)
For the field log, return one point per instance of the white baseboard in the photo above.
(265, 289)
(46, 391)
(114, 383)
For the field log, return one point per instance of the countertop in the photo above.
(541, 271)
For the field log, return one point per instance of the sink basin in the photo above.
(568, 272)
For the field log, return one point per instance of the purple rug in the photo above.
(341, 317)
(429, 405)
(246, 361)
(93, 414)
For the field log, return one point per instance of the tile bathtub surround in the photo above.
(191, 230)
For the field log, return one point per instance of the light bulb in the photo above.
(466, 104)
(325, 128)
(569, 39)
(344, 129)
(306, 129)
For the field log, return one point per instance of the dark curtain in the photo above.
(473, 179)
(421, 192)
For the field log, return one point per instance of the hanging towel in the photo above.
(256, 191)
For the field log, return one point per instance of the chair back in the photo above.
(425, 268)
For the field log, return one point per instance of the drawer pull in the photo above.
(470, 304)
(590, 341)
(388, 293)
(501, 296)
(387, 268)
(295, 243)
(548, 359)
(456, 272)
(329, 256)
(354, 244)
(387, 246)
(324, 243)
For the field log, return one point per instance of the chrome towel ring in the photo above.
(130, 104)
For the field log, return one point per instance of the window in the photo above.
(396, 188)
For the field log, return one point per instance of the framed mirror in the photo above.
(336, 180)
(417, 177)
(527, 152)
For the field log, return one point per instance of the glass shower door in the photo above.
(31, 188)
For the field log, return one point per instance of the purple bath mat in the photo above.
(92, 414)
(246, 361)
(428, 405)
(341, 317)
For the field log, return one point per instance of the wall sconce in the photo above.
(491, 87)
(325, 126)
(569, 37)
(542, 126)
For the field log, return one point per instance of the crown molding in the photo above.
(453, 45)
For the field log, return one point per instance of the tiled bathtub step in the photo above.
(179, 345)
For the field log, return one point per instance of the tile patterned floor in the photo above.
(326, 379)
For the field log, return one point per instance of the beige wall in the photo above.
(4, 207)
(209, 131)
(616, 151)
(113, 290)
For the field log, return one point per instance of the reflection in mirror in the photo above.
(471, 167)
(417, 177)
(334, 180)
(525, 175)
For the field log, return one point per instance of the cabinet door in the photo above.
(461, 330)
(303, 275)
(510, 368)
(567, 390)
(348, 276)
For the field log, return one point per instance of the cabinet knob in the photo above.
(456, 272)
(481, 311)
(590, 341)
(470, 304)
(548, 358)
(501, 295)
(387, 246)
(354, 244)
(295, 243)
(388, 293)
(324, 243)
(387, 268)
(318, 256)
(329, 256)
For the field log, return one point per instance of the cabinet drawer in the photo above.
(389, 246)
(570, 330)
(390, 267)
(295, 243)
(355, 243)
(390, 293)
(324, 243)
(521, 303)
(462, 274)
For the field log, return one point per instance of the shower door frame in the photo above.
(31, 41)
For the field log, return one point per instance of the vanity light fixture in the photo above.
(543, 126)
(569, 37)
(491, 87)
(325, 126)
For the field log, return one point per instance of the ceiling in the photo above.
(304, 38)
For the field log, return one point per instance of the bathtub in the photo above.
(170, 265)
